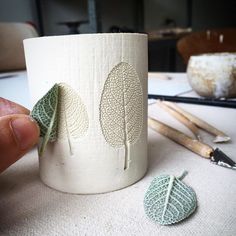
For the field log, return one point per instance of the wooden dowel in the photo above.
(220, 136)
(194, 145)
(181, 118)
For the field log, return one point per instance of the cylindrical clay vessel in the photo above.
(101, 142)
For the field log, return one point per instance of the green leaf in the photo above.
(121, 108)
(168, 200)
(45, 113)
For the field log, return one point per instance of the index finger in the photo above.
(8, 108)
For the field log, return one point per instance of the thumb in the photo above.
(18, 134)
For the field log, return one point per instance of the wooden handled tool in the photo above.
(194, 145)
(219, 135)
(181, 118)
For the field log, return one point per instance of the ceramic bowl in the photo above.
(213, 75)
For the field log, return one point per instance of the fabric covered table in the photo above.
(28, 207)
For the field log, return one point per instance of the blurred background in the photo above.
(165, 21)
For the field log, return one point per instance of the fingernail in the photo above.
(25, 131)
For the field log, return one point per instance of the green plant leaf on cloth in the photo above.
(168, 200)
(44, 112)
(121, 108)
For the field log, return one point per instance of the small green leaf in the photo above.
(168, 200)
(44, 112)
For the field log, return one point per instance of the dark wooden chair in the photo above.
(209, 41)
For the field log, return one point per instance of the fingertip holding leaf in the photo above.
(44, 112)
(168, 200)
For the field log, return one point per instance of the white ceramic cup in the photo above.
(108, 72)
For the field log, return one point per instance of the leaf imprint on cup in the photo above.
(121, 108)
(72, 115)
(61, 114)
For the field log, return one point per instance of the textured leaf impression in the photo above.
(121, 108)
(72, 115)
(61, 114)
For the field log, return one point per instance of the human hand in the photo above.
(18, 132)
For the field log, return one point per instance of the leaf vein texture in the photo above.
(179, 200)
(122, 87)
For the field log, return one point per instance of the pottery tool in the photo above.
(181, 115)
(181, 118)
(215, 155)
(196, 100)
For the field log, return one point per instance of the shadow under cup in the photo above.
(101, 142)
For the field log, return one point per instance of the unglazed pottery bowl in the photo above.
(213, 75)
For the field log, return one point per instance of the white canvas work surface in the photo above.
(28, 207)
(167, 84)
